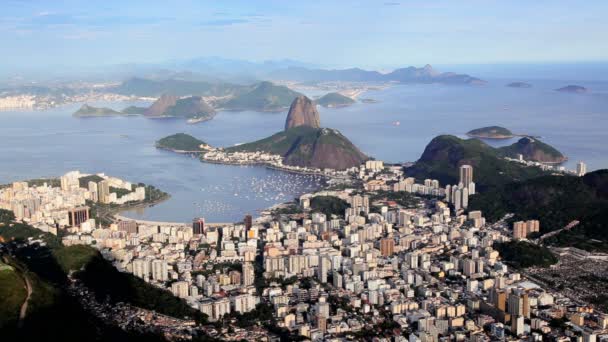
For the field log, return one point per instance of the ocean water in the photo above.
(52, 142)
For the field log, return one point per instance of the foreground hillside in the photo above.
(555, 201)
(48, 264)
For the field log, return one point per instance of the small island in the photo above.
(334, 100)
(574, 89)
(519, 85)
(369, 100)
(182, 143)
(90, 111)
(491, 132)
(134, 110)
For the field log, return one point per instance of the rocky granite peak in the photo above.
(161, 105)
(302, 112)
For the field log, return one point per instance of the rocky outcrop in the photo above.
(311, 147)
(161, 105)
(302, 112)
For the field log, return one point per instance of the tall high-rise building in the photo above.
(129, 226)
(141, 268)
(160, 271)
(324, 267)
(78, 215)
(198, 226)
(103, 191)
(248, 276)
(457, 199)
(180, 289)
(581, 168)
(517, 325)
(519, 304)
(248, 221)
(466, 175)
(387, 246)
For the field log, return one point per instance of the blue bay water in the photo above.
(52, 142)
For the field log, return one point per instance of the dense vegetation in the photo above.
(12, 293)
(328, 205)
(307, 146)
(134, 110)
(264, 96)
(533, 149)
(191, 107)
(445, 154)
(83, 182)
(555, 201)
(180, 142)
(334, 100)
(490, 132)
(522, 254)
(403, 198)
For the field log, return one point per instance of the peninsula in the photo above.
(534, 150)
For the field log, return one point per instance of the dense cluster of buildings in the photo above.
(214, 155)
(429, 272)
(50, 207)
(581, 167)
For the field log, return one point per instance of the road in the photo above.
(28, 288)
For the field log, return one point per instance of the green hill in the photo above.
(264, 96)
(13, 294)
(308, 146)
(193, 107)
(555, 201)
(534, 150)
(446, 153)
(334, 100)
(491, 132)
(180, 142)
(134, 110)
(87, 110)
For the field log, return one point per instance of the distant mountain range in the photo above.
(263, 96)
(411, 74)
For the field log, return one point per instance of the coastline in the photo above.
(249, 163)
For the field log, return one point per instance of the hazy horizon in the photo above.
(77, 35)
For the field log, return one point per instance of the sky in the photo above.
(373, 34)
